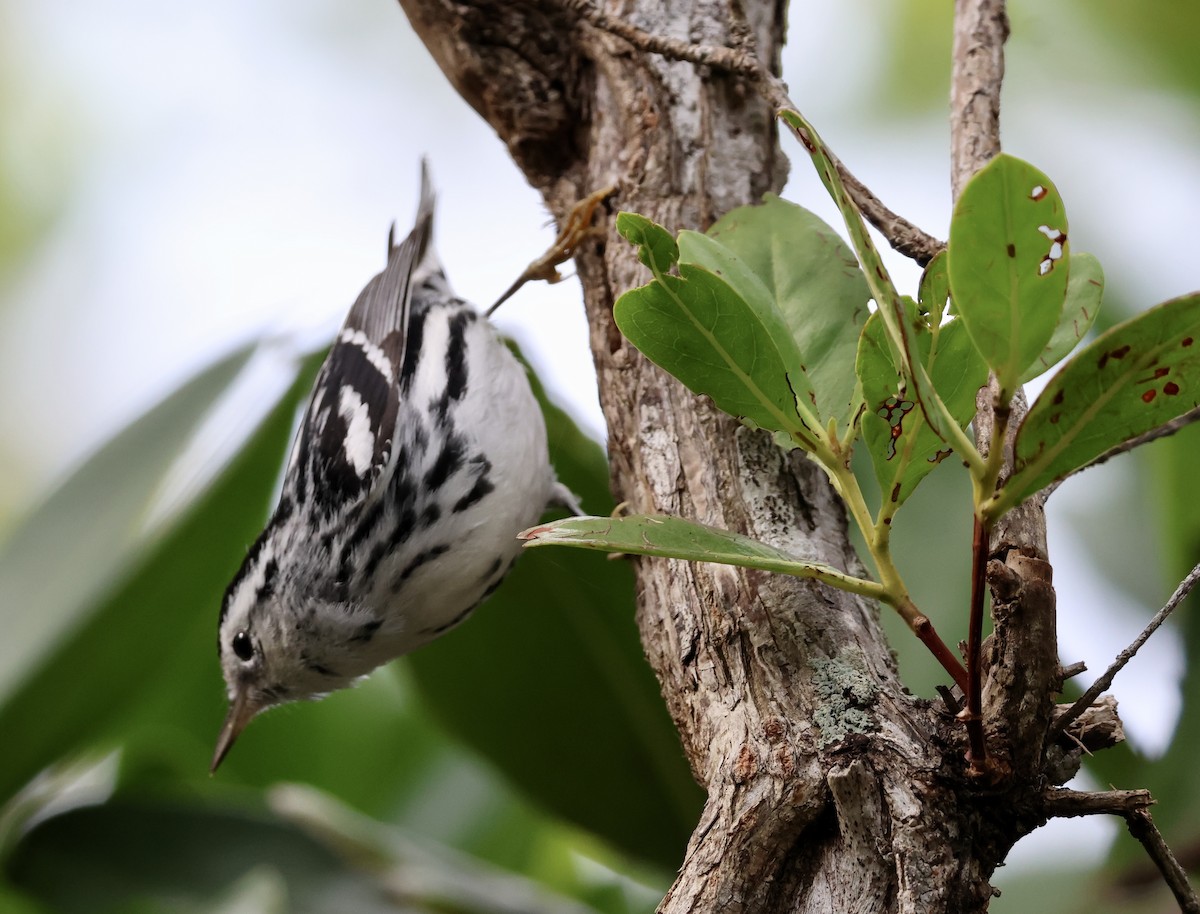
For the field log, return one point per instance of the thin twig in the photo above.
(901, 234)
(1101, 685)
(1071, 670)
(577, 228)
(1099, 727)
(904, 237)
(707, 55)
(928, 636)
(1142, 827)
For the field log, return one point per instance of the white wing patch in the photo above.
(360, 440)
(374, 354)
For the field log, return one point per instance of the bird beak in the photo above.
(241, 711)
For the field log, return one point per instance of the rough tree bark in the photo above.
(830, 788)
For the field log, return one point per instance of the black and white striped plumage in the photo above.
(421, 456)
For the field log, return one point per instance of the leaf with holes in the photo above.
(1007, 264)
(1085, 289)
(734, 349)
(903, 448)
(1136, 377)
(811, 277)
(679, 538)
(891, 305)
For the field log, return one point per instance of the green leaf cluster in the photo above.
(767, 314)
(753, 299)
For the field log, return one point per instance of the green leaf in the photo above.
(679, 538)
(934, 290)
(1085, 290)
(143, 636)
(721, 261)
(548, 681)
(903, 448)
(697, 328)
(1139, 375)
(1008, 268)
(449, 881)
(816, 284)
(136, 854)
(95, 522)
(656, 248)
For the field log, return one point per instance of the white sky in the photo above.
(227, 169)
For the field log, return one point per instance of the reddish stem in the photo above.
(931, 639)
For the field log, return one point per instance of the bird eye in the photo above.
(242, 646)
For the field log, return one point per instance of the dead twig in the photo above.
(1142, 827)
(1134, 807)
(576, 230)
(1102, 684)
(1061, 803)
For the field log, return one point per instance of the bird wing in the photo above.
(346, 440)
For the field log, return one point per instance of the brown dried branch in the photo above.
(577, 228)
(902, 235)
(1061, 803)
(727, 59)
(1102, 684)
(1133, 806)
(1098, 727)
(1142, 827)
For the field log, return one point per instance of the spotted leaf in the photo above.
(1008, 264)
(1136, 377)
(1085, 289)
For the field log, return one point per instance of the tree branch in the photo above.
(902, 235)
(829, 786)
(980, 30)
(1134, 807)
(1066, 804)
(1142, 827)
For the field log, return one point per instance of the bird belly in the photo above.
(466, 508)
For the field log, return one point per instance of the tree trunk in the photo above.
(830, 788)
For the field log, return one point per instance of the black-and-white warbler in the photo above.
(421, 456)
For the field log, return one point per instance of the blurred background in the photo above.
(190, 198)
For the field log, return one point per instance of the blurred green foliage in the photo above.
(549, 686)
